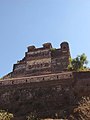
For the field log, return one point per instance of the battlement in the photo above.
(64, 47)
(45, 46)
(42, 61)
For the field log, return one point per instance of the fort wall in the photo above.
(45, 94)
(41, 83)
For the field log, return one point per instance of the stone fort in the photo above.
(41, 83)
(45, 60)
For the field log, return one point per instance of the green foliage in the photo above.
(5, 115)
(79, 63)
(53, 49)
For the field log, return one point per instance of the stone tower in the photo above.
(44, 60)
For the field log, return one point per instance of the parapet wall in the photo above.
(50, 77)
(81, 75)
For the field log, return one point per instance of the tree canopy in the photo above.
(78, 63)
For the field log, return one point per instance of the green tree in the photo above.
(78, 63)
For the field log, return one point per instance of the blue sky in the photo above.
(34, 22)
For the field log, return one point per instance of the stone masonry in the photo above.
(40, 83)
(43, 60)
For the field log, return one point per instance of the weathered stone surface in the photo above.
(45, 95)
(43, 60)
(41, 84)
